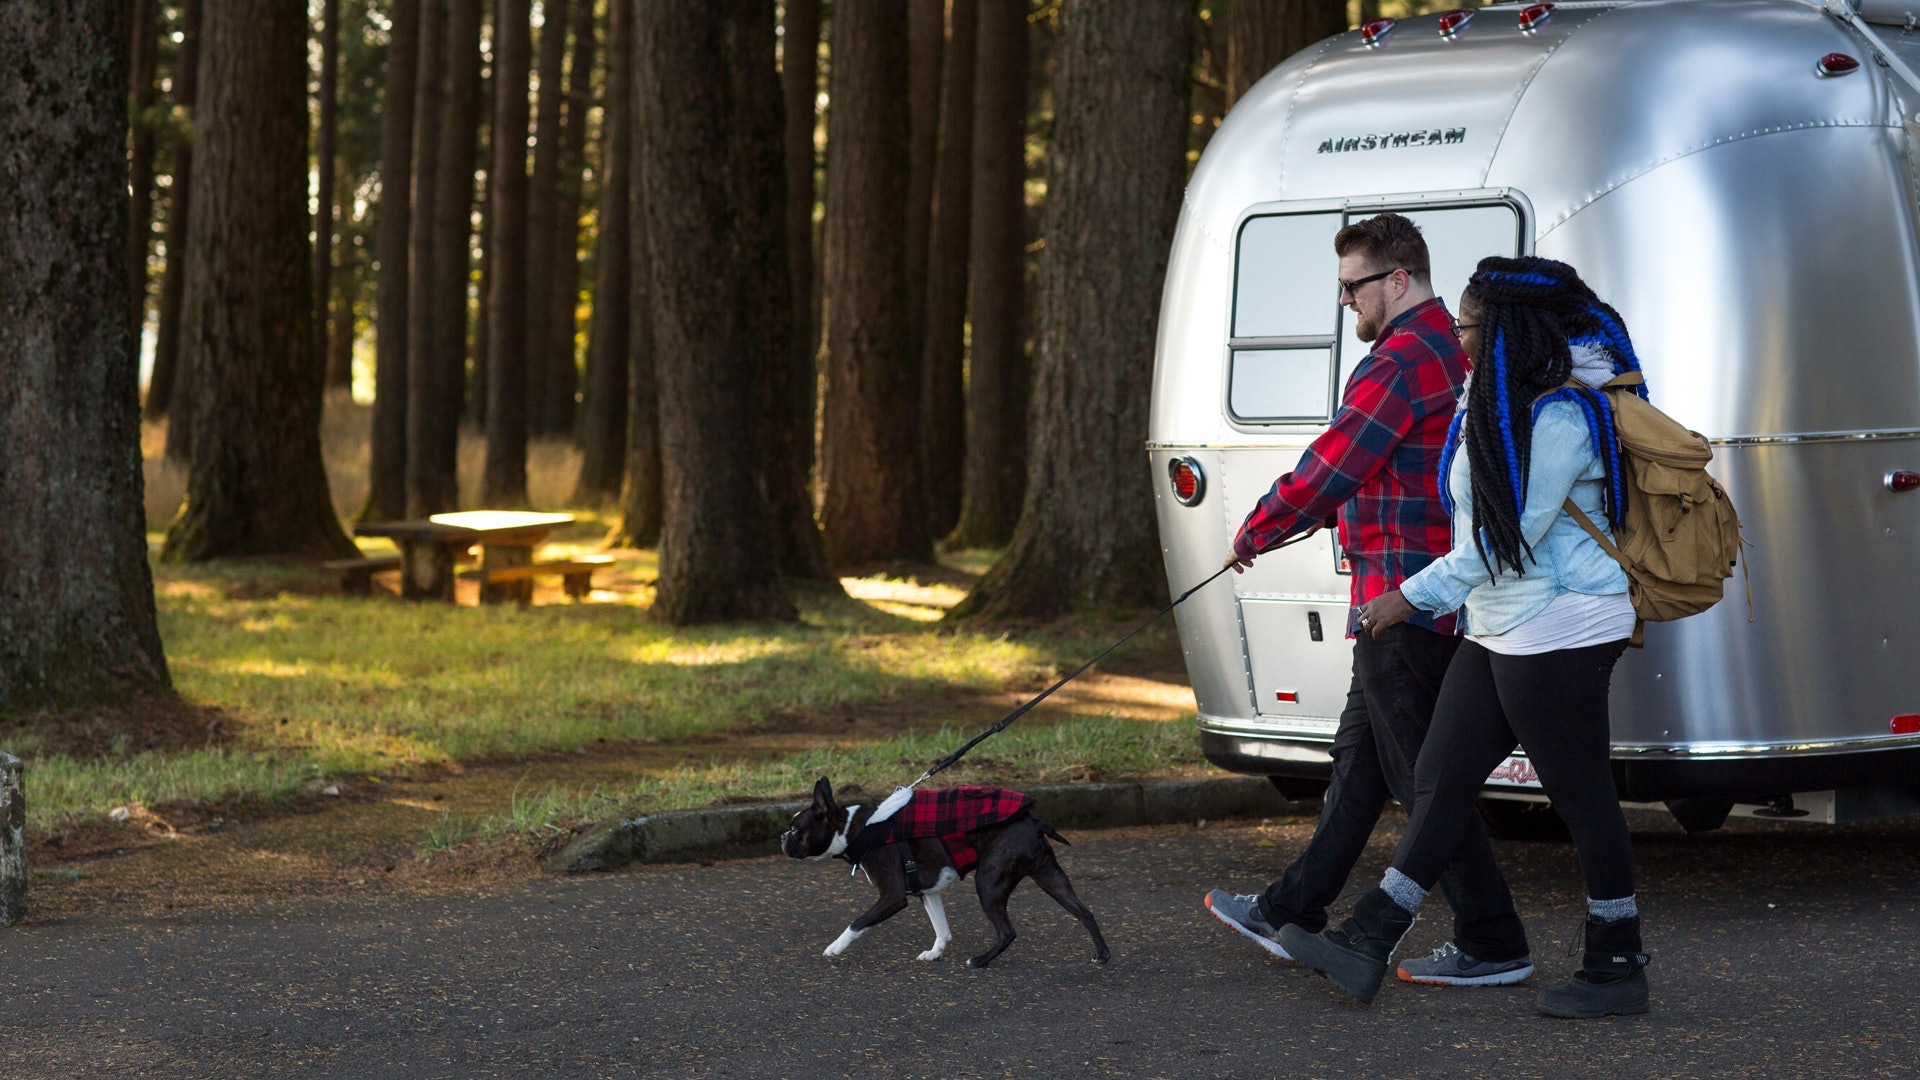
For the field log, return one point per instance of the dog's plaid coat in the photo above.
(946, 815)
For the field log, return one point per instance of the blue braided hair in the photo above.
(1446, 458)
(1505, 417)
(1532, 311)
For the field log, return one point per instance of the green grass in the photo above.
(318, 685)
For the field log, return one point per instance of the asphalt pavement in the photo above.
(1778, 950)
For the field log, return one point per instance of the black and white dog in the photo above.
(899, 860)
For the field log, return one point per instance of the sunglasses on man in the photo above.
(1352, 288)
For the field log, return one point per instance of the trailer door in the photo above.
(1291, 349)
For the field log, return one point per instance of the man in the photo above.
(1377, 467)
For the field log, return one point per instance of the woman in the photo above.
(1547, 616)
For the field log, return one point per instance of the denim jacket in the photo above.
(1565, 559)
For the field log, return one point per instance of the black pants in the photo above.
(1396, 680)
(1554, 704)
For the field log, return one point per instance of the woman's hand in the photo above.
(1383, 611)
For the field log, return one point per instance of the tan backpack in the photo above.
(1679, 539)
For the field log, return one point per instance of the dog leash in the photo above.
(1022, 710)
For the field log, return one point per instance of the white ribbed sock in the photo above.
(1402, 890)
(1611, 910)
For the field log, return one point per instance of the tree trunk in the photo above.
(164, 380)
(998, 373)
(387, 471)
(869, 454)
(641, 496)
(256, 485)
(943, 408)
(144, 25)
(429, 483)
(603, 414)
(640, 493)
(504, 483)
(346, 301)
(800, 86)
(1262, 33)
(1115, 173)
(324, 171)
(792, 382)
(563, 375)
(434, 401)
(709, 102)
(926, 37)
(543, 196)
(77, 620)
(476, 413)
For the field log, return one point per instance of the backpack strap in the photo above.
(1639, 624)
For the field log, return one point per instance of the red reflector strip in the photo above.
(1535, 15)
(1905, 724)
(1292, 697)
(1836, 63)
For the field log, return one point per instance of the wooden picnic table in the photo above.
(428, 549)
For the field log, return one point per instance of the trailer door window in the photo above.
(1285, 315)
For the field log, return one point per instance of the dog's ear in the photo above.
(823, 795)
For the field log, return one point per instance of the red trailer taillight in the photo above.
(1452, 21)
(1376, 31)
(1836, 63)
(1189, 483)
(1903, 480)
(1533, 15)
(1905, 724)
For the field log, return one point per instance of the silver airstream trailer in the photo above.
(1739, 178)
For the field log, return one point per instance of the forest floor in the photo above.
(400, 749)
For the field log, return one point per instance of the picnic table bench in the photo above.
(356, 575)
(575, 574)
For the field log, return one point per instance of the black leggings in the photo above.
(1555, 705)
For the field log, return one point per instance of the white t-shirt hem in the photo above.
(1569, 621)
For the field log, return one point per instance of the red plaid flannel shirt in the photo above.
(947, 815)
(1377, 465)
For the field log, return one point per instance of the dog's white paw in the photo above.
(840, 943)
(932, 954)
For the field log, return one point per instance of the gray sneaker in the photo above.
(1241, 913)
(1448, 966)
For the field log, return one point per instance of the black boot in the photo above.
(1355, 954)
(1612, 980)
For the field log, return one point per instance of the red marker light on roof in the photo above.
(1376, 31)
(1533, 16)
(1189, 483)
(1452, 21)
(1905, 724)
(1836, 63)
(1903, 480)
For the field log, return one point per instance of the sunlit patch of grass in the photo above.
(907, 599)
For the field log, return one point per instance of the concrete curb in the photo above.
(687, 835)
